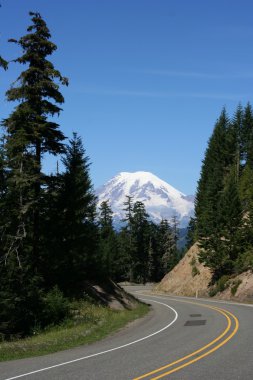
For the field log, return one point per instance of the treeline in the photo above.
(142, 250)
(223, 225)
(52, 239)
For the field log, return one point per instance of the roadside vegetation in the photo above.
(223, 223)
(87, 322)
(53, 240)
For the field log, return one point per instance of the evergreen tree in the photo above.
(221, 250)
(29, 134)
(128, 211)
(3, 182)
(246, 189)
(126, 237)
(154, 254)
(235, 140)
(125, 265)
(109, 248)
(140, 234)
(79, 230)
(191, 233)
(52, 231)
(216, 166)
(169, 237)
(224, 197)
(247, 135)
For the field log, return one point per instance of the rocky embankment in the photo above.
(191, 278)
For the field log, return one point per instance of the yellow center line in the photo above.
(229, 323)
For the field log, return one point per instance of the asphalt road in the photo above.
(180, 339)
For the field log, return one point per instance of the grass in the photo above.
(88, 324)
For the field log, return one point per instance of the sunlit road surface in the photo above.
(181, 338)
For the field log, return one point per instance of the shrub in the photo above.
(222, 283)
(195, 271)
(220, 286)
(55, 307)
(193, 261)
(245, 261)
(235, 285)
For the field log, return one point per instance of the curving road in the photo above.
(180, 339)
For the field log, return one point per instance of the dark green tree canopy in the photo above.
(37, 92)
(223, 223)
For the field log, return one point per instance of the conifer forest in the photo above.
(54, 239)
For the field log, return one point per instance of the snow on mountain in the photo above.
(162, 201)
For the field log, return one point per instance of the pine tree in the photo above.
(154, 255)
(169, 238)
(223, 197)
(246, 189)
(79, 230)
(126, 237)
(109, 248)
(140, 234)
(51, 231)
(191, 233)
(235, 142)
(222, 250)
(247, 135)
(3, 181)
(29, 134)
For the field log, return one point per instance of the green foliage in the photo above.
(79, 245)
(234, 286)
(87, 323)
(109, 245)
(47, 223)
(224, 201)
(220, 286)
(195, 271)
(55, 307)
(191, 233)
(148, 250)
(245, 261)
(193, 261)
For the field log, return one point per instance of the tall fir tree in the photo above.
(169, 238)
(224, 197)
(80, 260)
(29, 134)
(141, 242)
(109, 247)
(126, 237)
(215, 167)
(247, 135)
(221, 250)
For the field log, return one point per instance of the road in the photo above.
(180, 339)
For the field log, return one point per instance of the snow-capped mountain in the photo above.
(162, 201)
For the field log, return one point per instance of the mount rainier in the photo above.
(162, 201)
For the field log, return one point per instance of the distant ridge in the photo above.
(162, 201)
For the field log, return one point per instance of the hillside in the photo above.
(189, 278)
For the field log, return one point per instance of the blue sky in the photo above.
(148, 78)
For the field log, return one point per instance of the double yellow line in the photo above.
(221, 340)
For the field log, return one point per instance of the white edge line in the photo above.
(103, 352)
